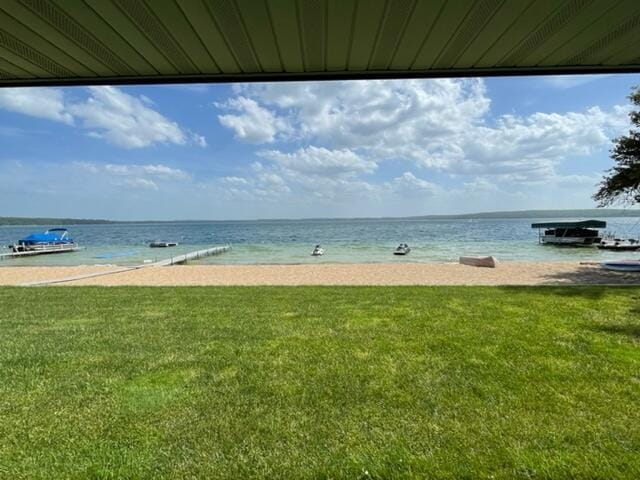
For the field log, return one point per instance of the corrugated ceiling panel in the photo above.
(398, 14)
(522, 26)
(285, 25)
(20, 61)
(4, 75)
(199, 16)
(111, 41)
(103, 42)
(416, 32)
(128, 30)
(552, 25)
(176, 24)
(492, 32)
(230, 24)
(448, 24)
(619, 27)
(45, 18)
(475, 21)
(340, 17)
(257, 20)
(627, 55)
(27, 43)
(12, 70)
(313, 21)
(147, 22)
(368, 20)
(588, 21)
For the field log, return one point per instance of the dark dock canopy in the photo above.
(57, 42)
(582, 224)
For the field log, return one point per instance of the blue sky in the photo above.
(359, 148)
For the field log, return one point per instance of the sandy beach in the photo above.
(507, 273)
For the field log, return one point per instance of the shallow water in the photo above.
(291, 241)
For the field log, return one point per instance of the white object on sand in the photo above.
(490, 262)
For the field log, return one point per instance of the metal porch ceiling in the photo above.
(57, 42)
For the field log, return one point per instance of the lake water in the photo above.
(291, 241)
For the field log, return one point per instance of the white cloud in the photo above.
(266, 186)
(108, 113)
(408, 184)
(141, 183)
(125, 120)
(356, 114)
(570, 81)
(199, 140)
(269, 179)
(160, 171)
(308, 173)
(37, 102)
(321, 161)
(235, 180)
(442, 124)
(135, 176)
(252, 123)
(479, 185)
(531, 145)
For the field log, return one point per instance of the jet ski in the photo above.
(402, 249)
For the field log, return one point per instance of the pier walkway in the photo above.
(175, 260)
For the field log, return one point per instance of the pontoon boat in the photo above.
(54, 240)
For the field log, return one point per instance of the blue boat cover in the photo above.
(47, 237)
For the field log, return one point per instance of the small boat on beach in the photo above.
(158, 244)
(489, 262)
(54, 240)
(574, 234)
(318, 251)
(402, 249)
(622, 265)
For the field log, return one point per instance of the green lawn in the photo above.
(308, 382)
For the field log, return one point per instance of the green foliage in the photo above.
(320, 382)
(622, 182)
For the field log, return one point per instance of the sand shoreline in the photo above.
(507, 273)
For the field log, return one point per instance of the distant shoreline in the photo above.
(575, 213)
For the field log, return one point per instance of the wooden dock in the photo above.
(44, 251)
(178, 259)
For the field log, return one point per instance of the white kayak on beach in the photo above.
(622, 265)
(490, 262)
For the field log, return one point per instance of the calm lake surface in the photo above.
(291, 241)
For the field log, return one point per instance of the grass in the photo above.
(271, 382)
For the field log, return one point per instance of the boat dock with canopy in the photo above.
(582, 233)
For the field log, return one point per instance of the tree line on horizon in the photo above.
(566, 213)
